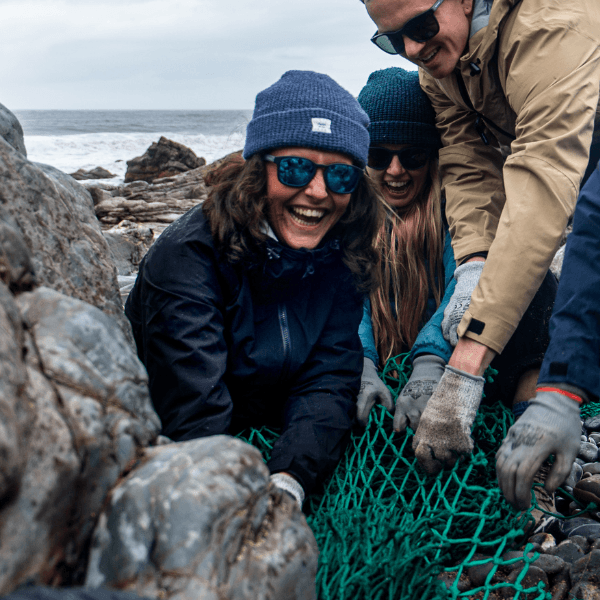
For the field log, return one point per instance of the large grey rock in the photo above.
(164, 158)
(75, 416)
(55, 217)
(199, 519)
(11, 130)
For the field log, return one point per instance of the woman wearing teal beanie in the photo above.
(417, 267)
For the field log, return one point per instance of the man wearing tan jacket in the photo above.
(514, 84)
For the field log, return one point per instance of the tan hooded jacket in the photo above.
(534, 71)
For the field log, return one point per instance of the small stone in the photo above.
(449, 579)
(588, 489)
(568, 551)
(584, 438)
(585, 591)
(532, 578)
(561, 583)
(580, 461)
(595, 545)
(593, 423)
(586, 569)
(97, 173)
(593, 468)
(588, 451)
(551, 565)
(581, 541)
(478, 573)
(581, 526)
(574, 475)
(545, 541)
(595, 437)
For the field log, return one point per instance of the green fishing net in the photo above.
(387, 531)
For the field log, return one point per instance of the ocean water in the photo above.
(84, 139)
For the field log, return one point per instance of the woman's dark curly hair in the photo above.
(236, 209)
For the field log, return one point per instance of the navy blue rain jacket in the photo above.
(273, 342)
(573, 355)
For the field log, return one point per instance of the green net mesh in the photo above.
(386, 530)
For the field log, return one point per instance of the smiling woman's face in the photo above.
(398, 185)
(302, 217)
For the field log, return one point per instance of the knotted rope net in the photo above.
(386, 530)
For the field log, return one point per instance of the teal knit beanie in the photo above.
(399, 110)
(308, 109)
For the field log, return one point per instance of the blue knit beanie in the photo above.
(310, 110)
(399, 110)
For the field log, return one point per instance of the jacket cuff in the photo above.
(490, 332)
(568, 388)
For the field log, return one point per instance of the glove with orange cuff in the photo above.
(550, 425)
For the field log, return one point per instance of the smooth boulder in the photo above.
(199, 519)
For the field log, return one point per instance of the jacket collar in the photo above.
(282, 262)
(488, 18)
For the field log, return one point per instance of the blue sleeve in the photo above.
(430, 339)
(365, 332)
(573, 355)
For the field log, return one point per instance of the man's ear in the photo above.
(467, 6)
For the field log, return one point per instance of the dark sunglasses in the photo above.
(411, 158)
(419, 29)
(295, 171)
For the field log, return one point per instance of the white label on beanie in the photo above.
(321, 125)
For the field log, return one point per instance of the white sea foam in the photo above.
(112, 150)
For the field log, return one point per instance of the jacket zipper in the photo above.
(286, 339)
(480, 117)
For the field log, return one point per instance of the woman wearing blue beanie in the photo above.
(246, 310)
(417, 267)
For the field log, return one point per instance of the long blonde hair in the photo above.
(411, 246)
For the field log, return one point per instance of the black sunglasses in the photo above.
(420, 29)
(411, 158)
(295, 171)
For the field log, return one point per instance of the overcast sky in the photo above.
(176, 54)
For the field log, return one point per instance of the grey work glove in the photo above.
(445, 428)
(427, 372)
(289, 484)
(372, 390)
(467, 277)
(550, 425)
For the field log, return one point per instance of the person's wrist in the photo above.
(471, 356)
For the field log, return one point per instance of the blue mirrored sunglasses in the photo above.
(421, 28)
(295, 171)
